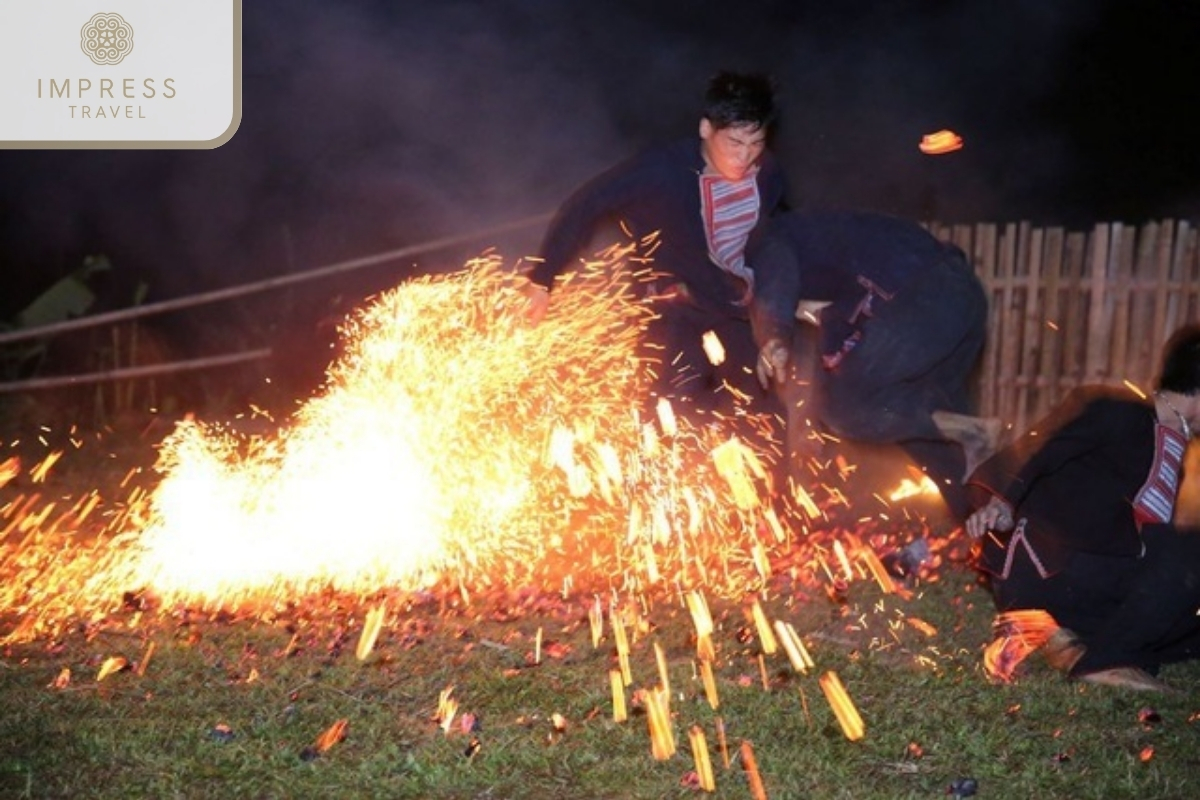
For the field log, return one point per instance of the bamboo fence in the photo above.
(1071, 308)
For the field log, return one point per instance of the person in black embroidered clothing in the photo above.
(1079, 524)
(902, 321)
(703, 195)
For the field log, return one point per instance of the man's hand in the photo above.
(997, 515)
(772, 363)
(537, 303)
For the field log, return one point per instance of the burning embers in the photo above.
(453, 446)
(940, 142)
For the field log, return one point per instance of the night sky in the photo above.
(374, 124)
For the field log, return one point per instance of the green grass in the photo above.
(280, 678)
(931, 715)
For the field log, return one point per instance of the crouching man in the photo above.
(1079, 525)
(902, 321)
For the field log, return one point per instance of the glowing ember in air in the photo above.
(943, 141)
(331, 736)
(9, 469)
(370, 632)
(618, 695)
(658, 717)
(38, 473)
(765, 635)
(111, 665)
(914, 486)
(753, 778)
(713, 348)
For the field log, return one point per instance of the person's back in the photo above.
(902, 319)
(836, 252)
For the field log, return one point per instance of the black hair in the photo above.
(1181, 362)
(734, 100)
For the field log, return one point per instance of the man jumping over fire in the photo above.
(902, 320)
(704, 197)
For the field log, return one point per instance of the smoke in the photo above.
(866, 87)
(369, 125)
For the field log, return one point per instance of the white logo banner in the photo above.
(120, 73)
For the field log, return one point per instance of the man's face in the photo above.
(732, 151)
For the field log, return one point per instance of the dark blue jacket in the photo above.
(853, 259)
(658, 190)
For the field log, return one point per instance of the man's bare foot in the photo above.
(982, 447)
(1126, 678)
(979, 436)
(1063, 650)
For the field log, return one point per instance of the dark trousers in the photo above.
(1136, 612)
(697, 388)
(917, 355)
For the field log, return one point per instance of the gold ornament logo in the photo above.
(106, 38)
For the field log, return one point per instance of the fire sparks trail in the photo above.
(422, 458)
(1016, 634)
(452, 446)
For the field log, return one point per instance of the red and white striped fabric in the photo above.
(1155, 501)
(730, 211)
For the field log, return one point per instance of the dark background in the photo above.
(372, 124)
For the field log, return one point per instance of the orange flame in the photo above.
(1016, 634)
(452, 446)
(331, 736)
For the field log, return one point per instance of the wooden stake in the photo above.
(722, 743)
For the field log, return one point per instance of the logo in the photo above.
(106, 38)
(76, 76)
